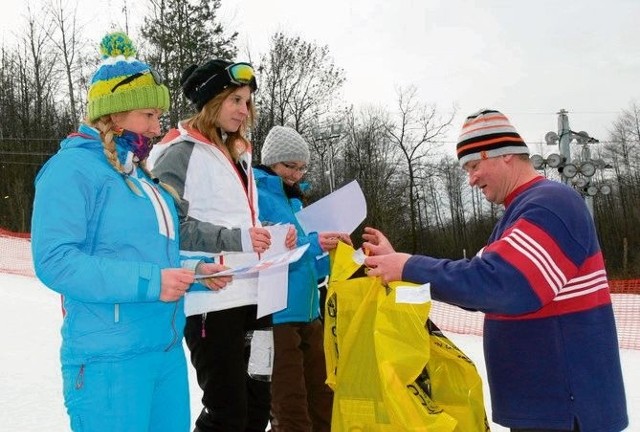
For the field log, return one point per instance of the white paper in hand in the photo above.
(342, 211)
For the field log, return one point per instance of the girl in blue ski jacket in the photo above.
(300, 398)
(104, 235)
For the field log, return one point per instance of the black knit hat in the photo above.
(200, 84)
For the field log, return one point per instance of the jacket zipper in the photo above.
(314, 283)
(80, 378)
(160, 202)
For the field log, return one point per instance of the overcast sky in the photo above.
(528, 59)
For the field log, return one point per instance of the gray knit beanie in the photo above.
(284, 144)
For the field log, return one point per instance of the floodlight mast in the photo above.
(565, 137)
(576, 173)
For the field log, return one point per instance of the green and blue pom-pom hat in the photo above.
(122, 82)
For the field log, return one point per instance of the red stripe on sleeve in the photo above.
(535, 254)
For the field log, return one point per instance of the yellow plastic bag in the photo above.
(388, 370)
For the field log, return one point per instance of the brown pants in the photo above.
(300, 399)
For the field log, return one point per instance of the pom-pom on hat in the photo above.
(202, 83)
(488, 133)
(284, 144)
(122, 82)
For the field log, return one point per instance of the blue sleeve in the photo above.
(65, 214)
(190, 262)
(312, 239)
(486, 283)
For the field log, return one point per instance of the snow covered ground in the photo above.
(30, 383)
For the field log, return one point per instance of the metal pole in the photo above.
(585, 156)
(588, 200)
(331, 173)
(564, 133)
(566, 136)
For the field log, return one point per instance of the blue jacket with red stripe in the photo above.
(550, 340)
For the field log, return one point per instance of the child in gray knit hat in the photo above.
(284, 144)
(299, 370)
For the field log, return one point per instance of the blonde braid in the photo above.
(105, 127)
(174, 193)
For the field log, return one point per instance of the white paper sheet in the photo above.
(273, 282)
(342, 211)
(413, 295)
(273, 268)
(273, 290)
(267, 262)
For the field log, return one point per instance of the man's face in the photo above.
(490, 176)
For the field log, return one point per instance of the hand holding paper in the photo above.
(272, 261)
(213, 283)
(329, 239)
(260, 239)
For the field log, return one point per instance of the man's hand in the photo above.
(375, 243)
(388, 267)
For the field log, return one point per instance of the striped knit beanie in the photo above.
(488, 133)
(122, 82)
(284, 144)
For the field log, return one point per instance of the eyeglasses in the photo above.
(293, 167)
(238, 73)
(157, 78)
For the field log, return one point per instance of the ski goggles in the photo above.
(238, 74)
(157, 78)
(242, 74)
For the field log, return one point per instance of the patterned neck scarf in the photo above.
(133, 142)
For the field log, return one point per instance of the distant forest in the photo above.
(415, 190)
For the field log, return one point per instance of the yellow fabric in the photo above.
(388, 372)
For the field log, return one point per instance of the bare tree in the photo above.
(9, 105)
(182, 33)
(28, 102)
(417, 132)
(66, 39)
(364, 154)
(298, 82)
(616, 215)
(38, 66)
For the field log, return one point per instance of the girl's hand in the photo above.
(329, 239)
(260, 239)
(213, 283)
(174, 282)
(292, 237)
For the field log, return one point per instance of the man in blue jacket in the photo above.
(550, 341)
